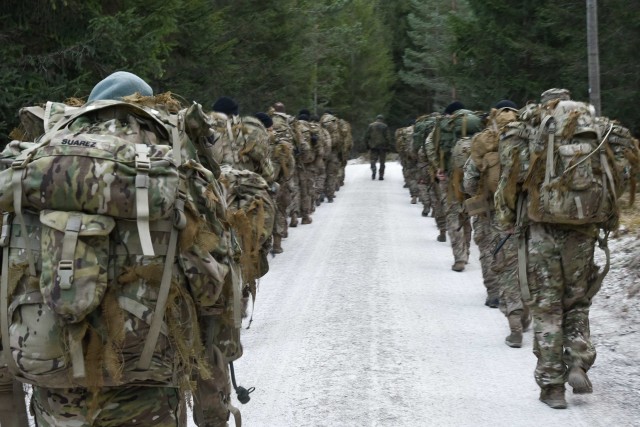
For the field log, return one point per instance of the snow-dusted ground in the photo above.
(362, 322)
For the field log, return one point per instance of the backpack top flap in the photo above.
(109, 158)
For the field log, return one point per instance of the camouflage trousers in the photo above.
(115, 407)
(459, 231)
(560, 271)
(377, 155)
(283, 200)
(341, 175)
(424, 194)
(506, 268)
(412, 179)
(486, 239)
(333, 169)
(405, 169)
(294, 194)
(319, 178)
(438, 194)
(307, 191)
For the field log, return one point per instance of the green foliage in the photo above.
(358, 58)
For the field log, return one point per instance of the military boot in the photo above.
(306, 219)
(414, 200)
(526, 318)
(277, 244)
(579, 380)
(443, 236)
(492, 301)
(515, 325)
(373, 173)
(553, 396)
(458, 266)
(294, 220)
(330, 199)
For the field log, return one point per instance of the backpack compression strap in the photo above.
(165, 283)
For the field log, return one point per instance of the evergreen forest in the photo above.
(357, 58)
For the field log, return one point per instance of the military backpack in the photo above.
(115, 242)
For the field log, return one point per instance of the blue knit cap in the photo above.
(118, 85)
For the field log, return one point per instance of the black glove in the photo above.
(314, 139)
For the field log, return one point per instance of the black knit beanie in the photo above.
(226, 105)
(265, 119)
(453, 107)
(505, 103)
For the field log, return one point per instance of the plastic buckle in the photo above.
(65, 274)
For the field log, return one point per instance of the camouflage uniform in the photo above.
(145, 406)
(283, 160)
(334, 163)
(377, 139)
(560, 268)
(324, 145)
(448, 135)
(426, 176)
(409, 159)
(484, 232)
(347, 146)
(103, 392)
(401, 149)
(304, 165)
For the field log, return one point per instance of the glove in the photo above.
(314, 139)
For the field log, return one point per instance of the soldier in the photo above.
(408, 160)
(330, 122)
(557, 193)
(101, 373)
(244, 142)
(481, 173)
(456, 123)
(281, 137)
(324, 146)
(304, 162)
(347, 146)
(426, 173)
(421, 129)
(377, 139)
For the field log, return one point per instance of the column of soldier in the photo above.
(309, 156)
(538, 187)
(134, 232)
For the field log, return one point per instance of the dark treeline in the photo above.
(357, 58)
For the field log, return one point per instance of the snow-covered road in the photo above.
(362, 322)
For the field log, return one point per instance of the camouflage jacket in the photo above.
(378, 136)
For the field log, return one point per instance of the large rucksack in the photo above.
(114, 244)
(484, 148)
(251, 213)
(571, 178)
(422, 128)
(449, 129)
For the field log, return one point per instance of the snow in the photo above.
(362, 322)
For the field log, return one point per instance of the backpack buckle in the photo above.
(65, 274)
